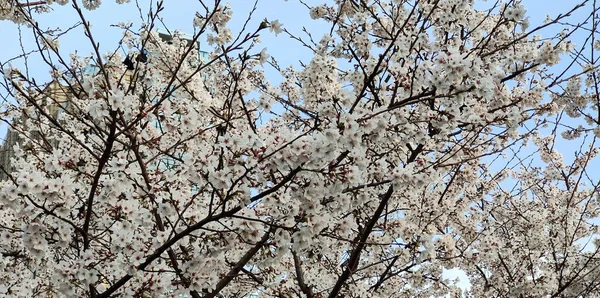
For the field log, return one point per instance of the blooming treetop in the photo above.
(380, 164)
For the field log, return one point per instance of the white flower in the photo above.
(199, 20)
(515, 13)
(91, 4)
(263, 56)
(275, 27)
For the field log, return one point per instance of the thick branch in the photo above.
(364, 235)
(103, 160)
(159, 251)
(307, 290)
(239, 265)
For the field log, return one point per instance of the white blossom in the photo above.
(275, 26)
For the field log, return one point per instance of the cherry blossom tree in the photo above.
(419, 136)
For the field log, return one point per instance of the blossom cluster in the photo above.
(400, 149)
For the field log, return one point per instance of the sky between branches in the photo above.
(291, 13)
